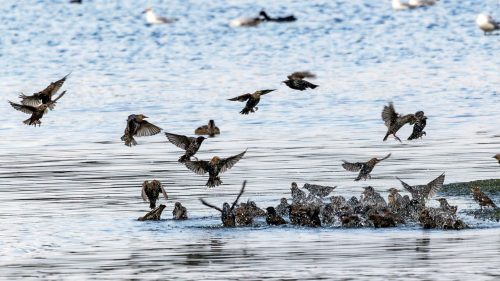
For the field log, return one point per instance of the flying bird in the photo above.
(213, 167)
(422, 192)
(36, 112)
(252, 100)
(151, 191)
(189, 144)
(227, 212)
(137, 126)
(211, 130)
(45, 96)
(297, 83)
(394, 121)
(418, 127)
(364, 168)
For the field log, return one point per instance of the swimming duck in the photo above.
(154, 215)
(137, 126)
(272, 218)
(423, 192)
(364, 168)
(487, 24)
(227, 212)
(213, 167)
(418, 128)
(151, 191)
(153, 18)
(394, 121)
(278, 19)
(36, 112)
(189, 144)
(45, 96)
(252, 100)
(211, 130)
(481, 198)
(179, 212)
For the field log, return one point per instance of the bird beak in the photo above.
(144, 116)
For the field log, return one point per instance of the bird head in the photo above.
(140, 117)
(211, 123)
(497, 156)
(215, 160)
(226, 208)
(177, 205)
(475, 189)
(368, 190)
(200, 139)
(419, 114)
(271, 211)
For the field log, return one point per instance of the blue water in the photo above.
(70, 189)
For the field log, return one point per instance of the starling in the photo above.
(214, 167)
(153, 215)
(282, 208)
(497, 156)
(36, 112)
(189, 144)
(298, 196)
(298, 75)
(252, 100)
(298, 84)
(481, 198)
(266, 17)
(137, 126)
(383, 220)
(273, 218)
(227, 212)
(179, 212)
(151, 191)
(418, 127)
(395, 199)
(304, 215)
(211, 130)
(443, 204)
(372, 198)
(363, 168)
(422, 192)
(246, 212)
(395, 121)
(45, 96)
(319, 190)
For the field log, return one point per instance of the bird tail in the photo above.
(129, 140)
(30, 122)
(312, 86)
(213, 182)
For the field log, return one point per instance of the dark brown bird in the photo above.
(213, 167)
(45, 96)
(301, 75)
(423, 192)
(36, 112)
(298, 84)
(382, 220)
(304, 215)
(179, 212)
(211, 130)
(481, 198)
(227, 212)
(189, 144)
(394, 199)
(363, 168)
(137, 126)
(319, 190)
(252, 100)
(151, 191)
(273, 218)
(418, 127)
(246, 212)
(497, 156)
(394, 121)
(443, 204)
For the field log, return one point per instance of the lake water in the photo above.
(70, 189)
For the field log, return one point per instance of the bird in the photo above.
(298, 196)
(151, 191)
(272, 218)
(246, 22)
(304, 215)
(282, 208)
(189, 144)
(179, 212)
(418, 127)
(295, 83)
(246, 212)
(301, 75)
(75, 1)
(36, 112)
(153, 18)
(213, 167)
(154, 215)
(45, 96)
(497, 156)
(486, 23)
(394, 199)
(372, 198)
(211, 130)
(137, 126)
(252, 100)
(412, 4)
(363, 168)
(394, 121)
(445, 206)
(481, 198)
(319, 190)
(227, 212)
(422, 192)
(266, 17)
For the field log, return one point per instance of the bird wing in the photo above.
(210, 205)
(60, 96)
(301, 75)
(23, 108)
(199, 167)
(143, 192)
(53, 87)
(408, 187)
(33, 100)
(239, 195)
(180, 141)
(226, 164)
(389, 114)
(147, 129)
(241, 98)
(164, 192)
(388, 155)
(352, 167)
(433, 187)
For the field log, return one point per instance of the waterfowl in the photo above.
(364, 168)
(423, 192)
(278, 19)
(245, 22)
(137, 126)
(151, 191)
(189, 144)
(252, 100)
(418, 127)
(211, 130)
(319, 190)
(36, 112)
(45, 96)
(153, 215)
(481, 198)
(394, 121)
(299, 84)
(213, 167)
(487, 24)
(179, 212)
(272, 218)
(227, 212)
(153, 18)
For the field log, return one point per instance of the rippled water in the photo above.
(70, 190)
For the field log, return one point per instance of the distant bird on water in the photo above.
(418, 128)
(273, 218)
(266, 17)
(213, 167)
(364, 168)
(412, 4)
(137, 126)
(487, 24)
(246, 22)
(45, 96)
(153, 18)
(394, 121)
(497, 156)
(227, 212)
(189, 144)
(482, 199)
(151, 191)
(252, 100)
(36, 112)
(211, 130)
(423, 192)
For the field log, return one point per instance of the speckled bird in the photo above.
(272, 218)
(394, 121)
(36, 112)
(482, 199)
(445, 206)
(213, 167)
(179, 212)
(137, 126)
(319, 190)
(252, 100)
(227, 212)
(298, 196)
(299, 84)
(211, 130)
(418, 127)
(395, 200)
(423, 192)
(282, 208)
(45, 96)
(189, 144)
(364, 168)
(151, 191)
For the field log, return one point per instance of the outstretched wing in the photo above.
(147, 129)
(388, 155)
(352, 167)
(226, 164)
(53, 87)
(199, 167)
(23, 108)
(389, 114)
(33, 100)
(143, 192)
(408, 187)
(239, 195)
(180, 141)
(210, 205)
(241, 98)
(433, 187)
(164, 192)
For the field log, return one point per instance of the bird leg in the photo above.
(396, 137)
